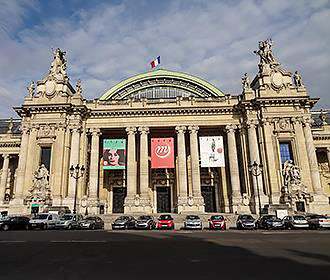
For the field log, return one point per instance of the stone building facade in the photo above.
(271, 124)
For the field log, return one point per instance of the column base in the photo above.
(17, 207)
(191, 205)
(92, 206)
(137, 204)
(320, 204)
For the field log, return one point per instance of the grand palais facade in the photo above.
(166, 141)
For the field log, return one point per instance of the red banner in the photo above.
(162, 153)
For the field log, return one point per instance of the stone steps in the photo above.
(178, 218)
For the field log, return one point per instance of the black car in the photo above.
(124, 222)
(92, 222)
(14, 222)
(145, 222)
(245, 222)
(270, 222)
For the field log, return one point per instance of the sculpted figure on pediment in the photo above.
(31, 89)
(265, 53)
(297, 79)
(58, 65)
(245, 81)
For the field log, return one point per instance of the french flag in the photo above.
(155, 62)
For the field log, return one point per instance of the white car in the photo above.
(318, 221)
(69, 221)
(295, 222)
(44, 221)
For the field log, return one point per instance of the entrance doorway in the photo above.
(163, 199)
(119, 195)
(209, 198)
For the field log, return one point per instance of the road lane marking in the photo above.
(12, 241)
(78, 241)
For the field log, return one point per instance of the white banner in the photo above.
(212, 152)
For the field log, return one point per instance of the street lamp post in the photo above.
(76, 172)
(256, 170)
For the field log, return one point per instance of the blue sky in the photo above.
(108, 41)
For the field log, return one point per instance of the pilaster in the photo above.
(4, 176)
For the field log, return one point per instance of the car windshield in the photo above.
(67, 217)
(192, 217)
(165, 217)
(271, 217)
(299, 218)
(91, 218)
(218, 217)
(144, 218)
(121, 218)
(246, 217)
(40, 217)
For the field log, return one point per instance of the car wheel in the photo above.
(5, 227)
(69, 227)
(26, 227)
(44, 226)
(150, 227)
(92, 226)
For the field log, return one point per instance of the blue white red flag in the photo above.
(155, 62)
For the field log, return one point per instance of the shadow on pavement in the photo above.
(156, 256)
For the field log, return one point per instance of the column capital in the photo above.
(5, 156)
(296, 120)
(193, 128)
(328, 149)
(231, 128)
(75, 127)
(25, 129)
(307, 122)
(131, 130)
(95, 131)
(180, 129)
(267, 121)
(143, 130)
(251, 123)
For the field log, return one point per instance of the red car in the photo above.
(217, 222)
(165, 221)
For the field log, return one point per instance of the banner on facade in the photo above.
(211, 150)
(162, 153)
(114, 154)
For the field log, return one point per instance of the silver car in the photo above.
(295, 222)
(318, 221)
(193, 222)
(69, 221)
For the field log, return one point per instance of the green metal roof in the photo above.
(159, 74)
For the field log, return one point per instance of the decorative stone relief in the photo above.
(293, 189)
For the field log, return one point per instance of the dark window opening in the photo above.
(286, 152)
(45, 156)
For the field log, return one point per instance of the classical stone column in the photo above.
(195, 171)
(131, 170)
(274, 186)
(302, 151)
(233, 164)
(94, 165)
(21, 167)
(4, 176)
(314, 169)
(328, 155)
(182, 172)
(74, 158)
(30, 158)
(254, 156)
(144, 165)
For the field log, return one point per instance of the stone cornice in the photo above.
(159, 112)
(27, 110)
(10, 144)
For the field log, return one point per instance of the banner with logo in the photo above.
(211, 150)
(162, 153)
(114, 154)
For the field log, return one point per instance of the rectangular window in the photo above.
(285, 152)
(45, 156)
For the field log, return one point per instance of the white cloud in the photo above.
(211, 39)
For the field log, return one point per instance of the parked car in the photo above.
(294, 222)
(318, 221)
(193, 222)
(44, 221)
(145, 222)
(91, 222)
(246, 222)
(59, 210)
(270, 222)
(14, 222)
(217, 222)
(69, 221)
(165, 221)
(124, 222)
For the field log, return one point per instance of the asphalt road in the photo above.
(165, 255)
